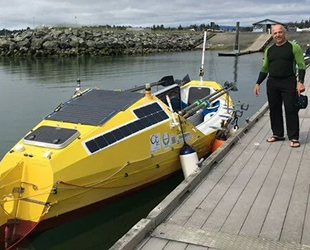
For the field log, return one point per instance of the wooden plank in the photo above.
(276, 214)
(184, 212)
(247, 161)
(261, 160)
(304, 185)
(178, 195)
(306, 230)
(154, 243)
(220, 240)
(134, 236)
(174, 245)
(294, 221)
(224, 175)
(276, 159)
(194, 247)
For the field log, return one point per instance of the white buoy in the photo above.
(189, 160)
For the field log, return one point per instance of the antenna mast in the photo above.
(201, 71)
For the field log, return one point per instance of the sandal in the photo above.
(294, 144)
(275, 138)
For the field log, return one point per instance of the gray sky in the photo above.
(20, 14)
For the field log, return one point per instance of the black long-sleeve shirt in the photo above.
(280, 62)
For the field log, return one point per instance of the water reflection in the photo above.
(236, 69)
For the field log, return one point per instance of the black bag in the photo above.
(302, 101)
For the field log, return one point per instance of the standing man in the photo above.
(282, 86)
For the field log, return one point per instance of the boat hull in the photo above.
(130, 178)
(26, 227)
(70, 199)
(61, 169)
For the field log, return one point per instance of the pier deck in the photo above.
(249, 194)
(259, 45)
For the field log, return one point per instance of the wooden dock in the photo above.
(258, 46)
(248, 195)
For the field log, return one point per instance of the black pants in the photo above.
(281, 91)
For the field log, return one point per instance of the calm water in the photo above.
(32, 88)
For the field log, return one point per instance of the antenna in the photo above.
(78, 84)
(78, 81)
(201, 71)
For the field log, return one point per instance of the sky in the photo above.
(20, 14)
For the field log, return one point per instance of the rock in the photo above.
(47, 41)
(4, 44)
(55, 33)
(50, 45)
(13, 46)
(24, 43)
(40, 33)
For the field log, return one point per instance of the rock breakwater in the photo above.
(45, 42)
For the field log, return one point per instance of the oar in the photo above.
(227, 86)
(204, 102)
(165, 81)
(182, 82)
(198, 102)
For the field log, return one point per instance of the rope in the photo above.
(22, 198)
(121, 186)
(91, 185)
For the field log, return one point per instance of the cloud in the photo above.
(16, 14)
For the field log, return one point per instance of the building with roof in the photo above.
(264, 25)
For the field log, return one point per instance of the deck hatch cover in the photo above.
(51, 137)
(94, 107)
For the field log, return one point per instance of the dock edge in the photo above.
(145, 226)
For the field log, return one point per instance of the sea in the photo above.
(31, 88)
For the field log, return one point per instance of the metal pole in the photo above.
(201, 73)
(236, 47)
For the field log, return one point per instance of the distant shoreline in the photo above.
(50, 42)
(69, 42)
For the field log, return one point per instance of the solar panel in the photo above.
(156, 106)
(92, 146)
(139, 124)
(117, 133)
(94, 107)
(163, 115)
(139, 113)
(101, 142)
(147, 116)
(146, 122)
(125, 130)
(109, 138)
(132, 127)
